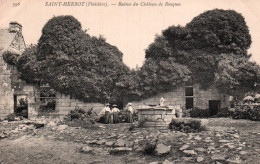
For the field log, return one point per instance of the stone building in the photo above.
(13, 89)
(190, 96)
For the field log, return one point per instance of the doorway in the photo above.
(21, 105)
(214, 106)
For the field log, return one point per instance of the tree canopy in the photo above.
(211, 49)
(223, 31)
(73, 62)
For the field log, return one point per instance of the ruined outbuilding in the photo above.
(13, 89)
(190, 96)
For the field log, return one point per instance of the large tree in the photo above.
(73, 62)
(206, 46)
(223, 31)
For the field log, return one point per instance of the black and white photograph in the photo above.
(129, 82)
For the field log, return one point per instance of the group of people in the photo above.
(114, 115)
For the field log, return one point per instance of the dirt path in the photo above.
(32, 149)
(226, 140)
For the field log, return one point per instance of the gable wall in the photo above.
(6, 92)
(10, 84)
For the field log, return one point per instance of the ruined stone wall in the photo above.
(177, 97)
(64, 104)
(18, 43)
(6, 91)
(202, 97)
(173, 98)
(8, 77)
(11, 85)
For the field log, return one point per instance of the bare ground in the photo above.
(46, 145)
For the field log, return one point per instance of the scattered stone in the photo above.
(189, 152)
(137, 148)
(120, 150)
(51, 124)
(87, 149)
(154, 163)
(197, 138)
(187, 159)
(167, 162)
(120, 142)
(218, 135)
(200, 159)
(184, 147)
(218, 157)
(2, 135)
(51, 137)
(242, 152)
(236, 136)
(21, 126)
(110, 143)
(231, 146)
(200, 149)
(211, 148)
(162, 149)
(128, 144)
(30, 127)
(101, 142)
(223, 141)
(234, 160)
(16, 130)
(207, 141)
(62, 127)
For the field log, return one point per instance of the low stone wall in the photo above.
(64, 104)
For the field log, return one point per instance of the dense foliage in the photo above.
(10, 57)
(73, 62)
(79, 118)
(153, 77)
(187, 127)
(251, 112)
(221, 31)
(212, 48)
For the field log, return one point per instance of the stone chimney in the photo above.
(15, 27)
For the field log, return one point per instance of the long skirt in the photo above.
(129, 117)
(107, 117)
(115, 115)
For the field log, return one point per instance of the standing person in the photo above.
(104, 114)
(115, 112)
(130, 113)
(162, 101)
(107, 114)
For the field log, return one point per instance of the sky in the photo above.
(130, 28)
